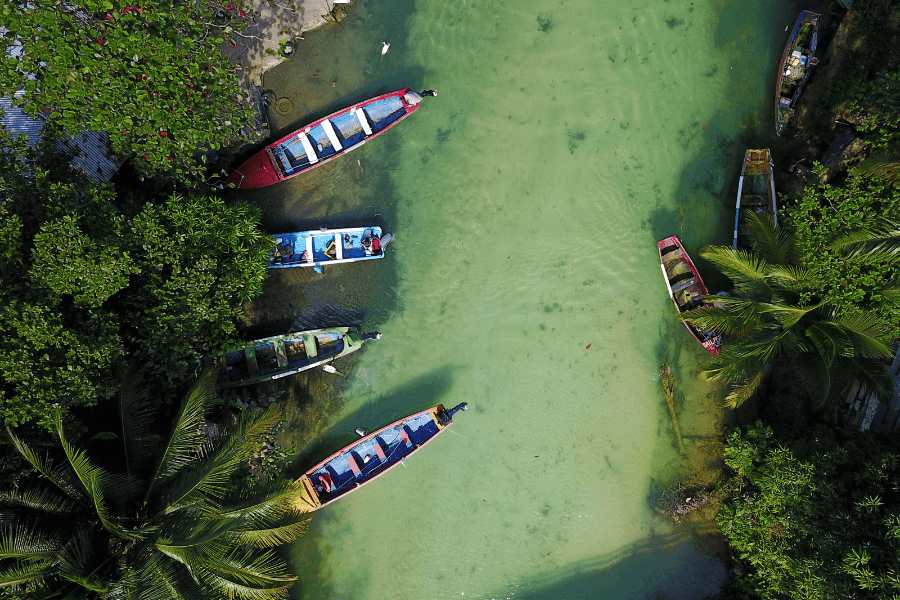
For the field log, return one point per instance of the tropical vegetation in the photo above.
(816, 519)
(149, 74)
(94, 280)
(777, 312)
(176, 520)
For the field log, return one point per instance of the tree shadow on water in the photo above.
(670, 568)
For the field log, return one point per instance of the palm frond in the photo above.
(885, 169)
(728, 315)
(789, 277)
(774, 244)
(21, 541)
(188, 437)
(741, 392)
(207, 481)
(273, 536)
(747, 271)
(23, 573)
(244, 575)
(882, 240)
(38, 499)
(272, 504)
(53, 474)
(864, 335)
(81, 465)
(136, 415)
(107, 520)
(786, 315)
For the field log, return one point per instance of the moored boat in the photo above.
(756, 191)
(796, 66)
(323, 140)
(686, 288)
(280, 356)
(328, 247)
(366, 459)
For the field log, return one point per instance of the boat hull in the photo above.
(278, 162)
(686, 288)
(368, 458)
(318, 248)
(280, 356)
(756, 190)
(784, 104)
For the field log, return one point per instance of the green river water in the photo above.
(568, 137)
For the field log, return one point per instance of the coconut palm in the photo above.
(765, 321)
(174, 525)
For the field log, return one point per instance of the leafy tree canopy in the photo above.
(88, 287)
(151, 75)
(820, 521)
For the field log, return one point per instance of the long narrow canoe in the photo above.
(370, 457)
(280, 356)
(756, 191)
(686, 288)
(796, 66)
(324, 140)
(322, 247)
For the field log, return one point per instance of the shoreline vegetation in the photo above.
(126, 474)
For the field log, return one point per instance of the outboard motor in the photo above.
(386, 240)
(372, 335)
(445, 417)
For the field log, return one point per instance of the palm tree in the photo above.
(765, 321)
(174, 525)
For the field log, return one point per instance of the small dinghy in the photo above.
(756, 191)
(328, 247)
(366, 459)
(796, 66)
(284, 355)
(321, 141)
(686, 288)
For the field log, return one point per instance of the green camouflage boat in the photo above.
(280, 356)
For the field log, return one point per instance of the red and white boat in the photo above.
(686, 288)
(321, 141)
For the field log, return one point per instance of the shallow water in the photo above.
(568, 136)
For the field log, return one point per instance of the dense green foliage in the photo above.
(88, 286)
(770, 316)
(171, 524)
(851, 282)
(864, 87)
(150, 74)
(820, 521)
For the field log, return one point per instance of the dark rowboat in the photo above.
(756, 191)
(321, 141)
(796, 66)
(280, 356)
(366, 459)
(686, 288)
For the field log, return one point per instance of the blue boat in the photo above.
(322, 247)
(368, 458)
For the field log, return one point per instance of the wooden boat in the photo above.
(756, 191)
(796, 66)
(686, 288)
(280, 356)
(328, 247)
(366, 459)
(321, 141)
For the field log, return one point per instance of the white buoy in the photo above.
(385, 46)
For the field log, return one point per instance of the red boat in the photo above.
(319, 142)
(686, 288)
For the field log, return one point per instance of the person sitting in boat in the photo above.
(325, 483)
(371, 244)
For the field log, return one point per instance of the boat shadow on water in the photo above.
(417, 394)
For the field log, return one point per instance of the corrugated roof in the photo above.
(89, 150)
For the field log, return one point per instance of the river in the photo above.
(567, 137)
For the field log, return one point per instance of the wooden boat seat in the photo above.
(404, 436)
(683, 285)
(363, 121)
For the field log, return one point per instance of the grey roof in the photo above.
(89, 150)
